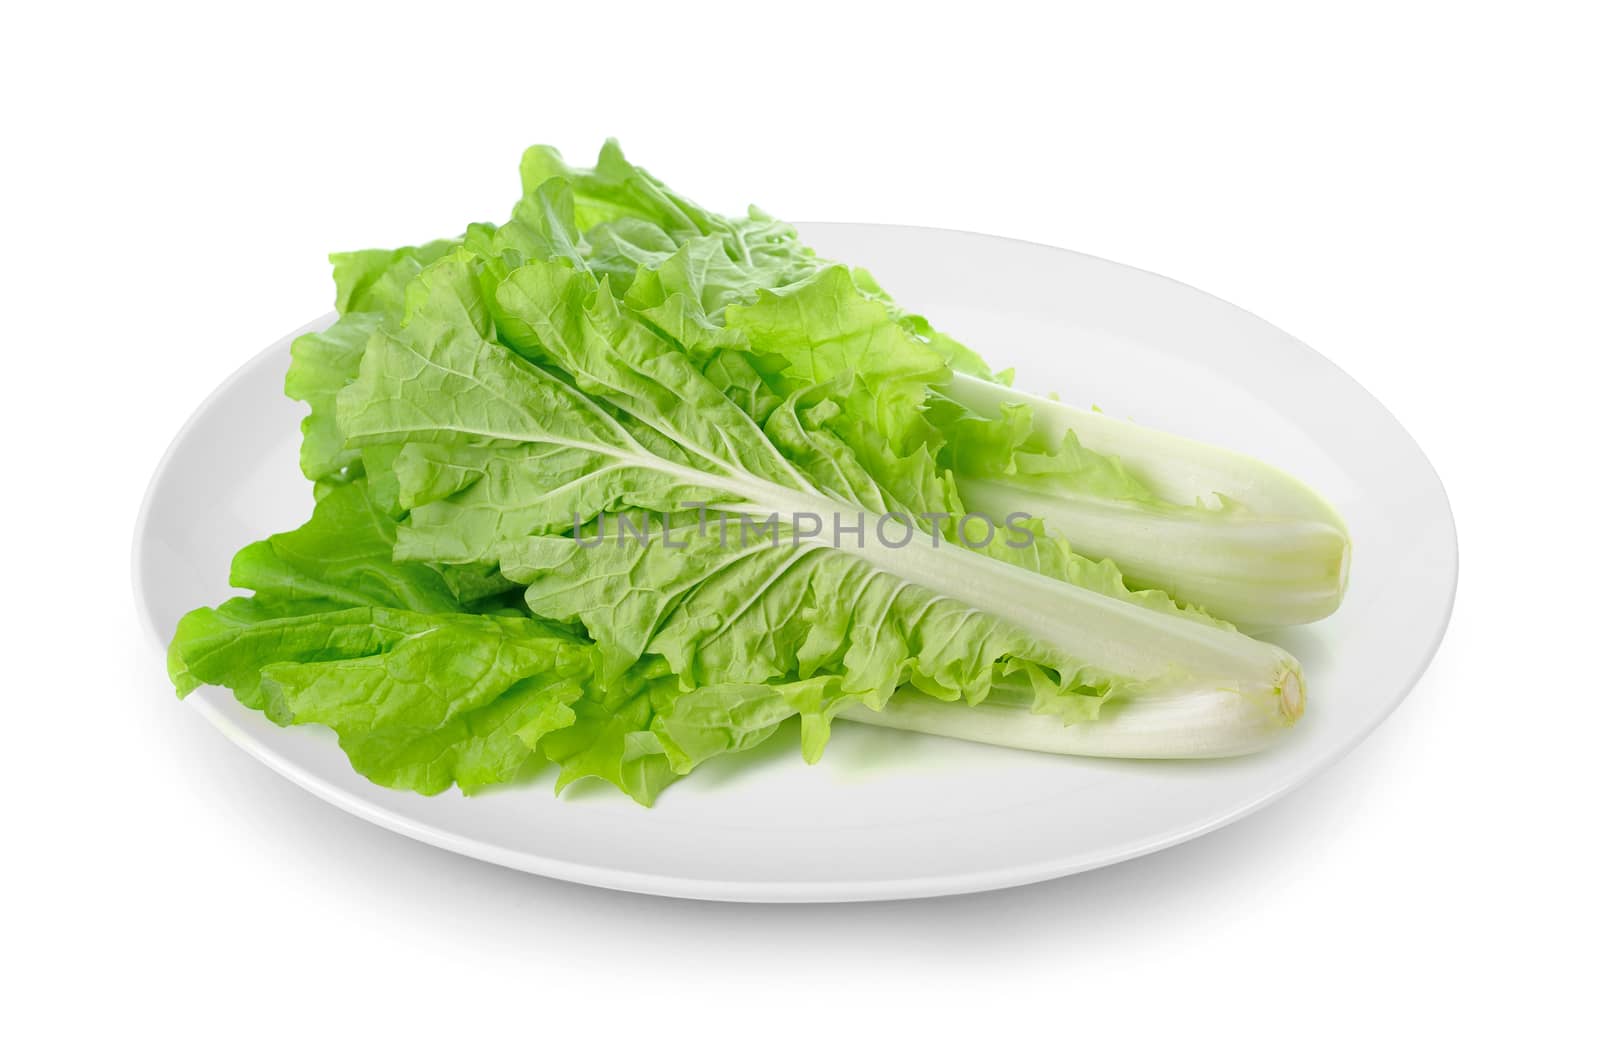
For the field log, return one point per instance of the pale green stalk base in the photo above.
(1256, 572)
(1275, 555)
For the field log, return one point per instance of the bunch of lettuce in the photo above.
(528, 444)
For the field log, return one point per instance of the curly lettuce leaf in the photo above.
(419, 700)
(747, 609)
(422, 692)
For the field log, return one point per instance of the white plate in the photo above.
(885, 814)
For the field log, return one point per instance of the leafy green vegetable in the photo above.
(623, 484)
(422, 692)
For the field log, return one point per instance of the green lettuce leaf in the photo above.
(421, 692)
(749, 609)
(419, 701)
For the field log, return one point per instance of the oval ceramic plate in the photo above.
(888, 814)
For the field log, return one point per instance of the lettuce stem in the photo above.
(1274, 553)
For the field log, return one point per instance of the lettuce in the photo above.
(423, 690)
(623, 484)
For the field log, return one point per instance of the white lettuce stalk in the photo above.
(1246, 541)
(1180, 724)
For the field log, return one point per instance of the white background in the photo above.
(1412, 189)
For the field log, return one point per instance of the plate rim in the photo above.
(774, 891)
